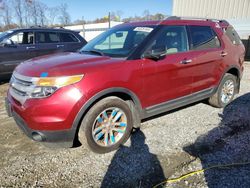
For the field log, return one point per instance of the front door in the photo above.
(170, 77)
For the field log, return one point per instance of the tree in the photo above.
(119, 14)
(52, 14)
(64, 15)
(159, 16)
(146, 14)
(19, 11)
(41, 13)
(6, 13)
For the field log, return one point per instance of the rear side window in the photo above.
(53, 37)
(68, 37)
(233, 36)
(47, 37)
(203, 37)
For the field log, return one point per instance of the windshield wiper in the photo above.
(94, 52)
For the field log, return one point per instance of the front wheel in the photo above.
(107, 125)
(225, 92)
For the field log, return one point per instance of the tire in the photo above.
(217, 100)
(98, 122)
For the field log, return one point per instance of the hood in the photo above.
(62, 64)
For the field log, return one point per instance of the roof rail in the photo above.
(59, 27)
(196, 18)
(38, 26)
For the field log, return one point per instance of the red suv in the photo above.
(129, 73)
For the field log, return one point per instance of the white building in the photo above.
(236, 12)
(90, 31)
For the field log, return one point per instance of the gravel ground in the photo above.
(185, 140)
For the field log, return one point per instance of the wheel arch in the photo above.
(121, 93)
(234, 70)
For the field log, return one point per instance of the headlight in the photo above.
(45, 87)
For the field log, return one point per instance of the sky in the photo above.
(92, 9)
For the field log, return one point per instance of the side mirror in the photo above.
(156, 53)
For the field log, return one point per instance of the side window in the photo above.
(47, 37)
(172, 38)
(68, 37)
(139, 37)
(23, 38)
(114, 41)
(203, 37)
(41, 37)
(233, 36)
(53, 37)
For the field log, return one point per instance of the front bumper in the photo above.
(63, 138)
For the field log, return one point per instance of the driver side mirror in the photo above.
(156, 53)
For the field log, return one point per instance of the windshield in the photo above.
(2, 35)
(117, 42)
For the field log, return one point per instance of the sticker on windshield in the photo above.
(143, 29)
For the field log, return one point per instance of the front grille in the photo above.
(23, 82)
(21, 93)
(21, 87)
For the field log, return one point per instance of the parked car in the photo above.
(129, 73)
(22, 44)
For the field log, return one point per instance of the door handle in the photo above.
(223, 54)
(59, 45)
(30, 47)
(186, 61)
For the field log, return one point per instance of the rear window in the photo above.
(203, 37)
(233, 36)
(68, 37)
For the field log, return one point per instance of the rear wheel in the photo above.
(107, 125)
(225, 92)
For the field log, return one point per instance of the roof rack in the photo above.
(59, 27)
(37, 26)
(196, 18)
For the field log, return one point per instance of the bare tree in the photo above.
(146, 14)
(64, 15)
(52, 14)
(41, 13)
(5, 13)
(27, 13)
(19, 11)
(37, 12)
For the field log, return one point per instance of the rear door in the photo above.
(171, 77)
(69, 42)
(48, 43)
(207, 50)
(23, 48)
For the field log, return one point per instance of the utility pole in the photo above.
(109, 28)
(109, 20)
